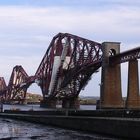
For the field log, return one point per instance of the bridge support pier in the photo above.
(48, 103)
(24, 102)
(65, 103)
(133, 99)
(111, 94)
(72, 103)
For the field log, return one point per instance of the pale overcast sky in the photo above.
(28, 26)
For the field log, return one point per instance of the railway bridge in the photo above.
(66, 68)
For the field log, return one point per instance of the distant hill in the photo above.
(88, 100)
(84, 100)
(89, 97)
(33, 98)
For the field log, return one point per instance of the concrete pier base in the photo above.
(133, 99)
(72, 103)
(65, 103)
(48, 103)
(24, 102)
(75, 103)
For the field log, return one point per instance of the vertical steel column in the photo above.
(111, 94)
(133, 99)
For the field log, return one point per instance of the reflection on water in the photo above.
(18, 130)
(37, 107)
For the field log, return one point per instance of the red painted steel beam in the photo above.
(16, 90)
(2, 84)
(3, 89)
(77, 58)
(125, 56)
(68, 63)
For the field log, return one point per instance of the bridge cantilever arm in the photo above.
(125, 56)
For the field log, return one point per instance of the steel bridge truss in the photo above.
(125, 56)
(3, 89)
(68, 65)
(65, 69)
(17, 86)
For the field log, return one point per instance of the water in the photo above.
(37, 107)
(19, 130)
(88, 107)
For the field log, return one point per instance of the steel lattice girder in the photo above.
(3, 88)
(66, 56)
(65, 69)
(18, 79)
(125, 56)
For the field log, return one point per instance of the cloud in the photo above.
(110, 24)
(72, 3)
(26, 31)
(29, 63)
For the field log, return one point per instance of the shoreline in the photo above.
(116, 123)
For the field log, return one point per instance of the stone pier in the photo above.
(48, 103)
(72, 103)
(133, 99)
(111, 93)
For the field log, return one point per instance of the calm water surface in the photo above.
(19, 130)
(37, 107)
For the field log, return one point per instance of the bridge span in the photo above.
(66, 68)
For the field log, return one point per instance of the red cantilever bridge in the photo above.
(67, 67)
